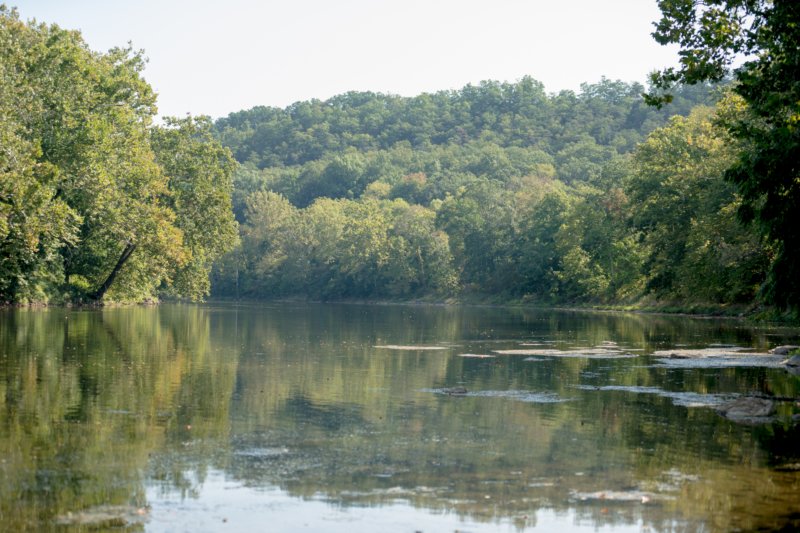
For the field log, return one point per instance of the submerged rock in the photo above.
(619, 496)
(702, 353)
(516, 395)
(792, 365)
(410, 348)
(105, 517)
(792, 361)
(730, 361)
(784, 350)
(684, 399)
(748, 409)
(585, 353)
(522, 396)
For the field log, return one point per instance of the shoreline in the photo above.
(749, 313)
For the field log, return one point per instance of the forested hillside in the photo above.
(500, 190)
(611, 113)
(336, 148)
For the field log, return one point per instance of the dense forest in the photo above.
(497, 191)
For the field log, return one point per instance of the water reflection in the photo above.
(140, 408)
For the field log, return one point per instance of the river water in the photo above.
(293, 417)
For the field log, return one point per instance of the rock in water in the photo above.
(792, 361)
(792, 365)
(783, 350)
(747, 409)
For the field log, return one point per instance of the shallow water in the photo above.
(343, 418)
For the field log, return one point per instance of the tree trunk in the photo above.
(126, 254)
(422, 281)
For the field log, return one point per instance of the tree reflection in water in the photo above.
(131, 407)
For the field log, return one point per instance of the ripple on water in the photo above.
(262, 453)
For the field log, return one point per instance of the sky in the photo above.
(214, 58)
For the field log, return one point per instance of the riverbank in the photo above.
(750, 312)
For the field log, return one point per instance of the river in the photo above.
(292, 417)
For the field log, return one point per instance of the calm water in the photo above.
(363, 418)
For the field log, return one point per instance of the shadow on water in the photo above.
(109, 415)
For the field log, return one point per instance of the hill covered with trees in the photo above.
(338, 147)
(498, 190)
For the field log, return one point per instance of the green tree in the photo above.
(684, 210)
(479, 222)
(420, 261)
(711, 35)
(87, 209)
(268, 238)
(199, 170)
(600, 257)
(34, 221)
(81, 124)
(542, 210)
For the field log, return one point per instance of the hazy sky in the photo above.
(222, 56)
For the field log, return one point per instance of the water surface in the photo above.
(393, 418)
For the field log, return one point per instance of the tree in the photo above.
(542, 210)
(600, 256)
(712, 34)
(684, 210)
(478, 221)
(199, 171)
(81, 189)
(34, 220)
(88, 208)
(420, 260)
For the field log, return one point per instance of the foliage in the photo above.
(586, 208)
(765, 33)
(602, 259)
(200, 183)
(685, 212)
(341, 248)
(85, 207)
(521, 114)
(496, 189)
(478, 221)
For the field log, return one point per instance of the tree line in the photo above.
(598, 208)
(498, 190)
(659, 221)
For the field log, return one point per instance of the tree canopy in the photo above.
(95, 201)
